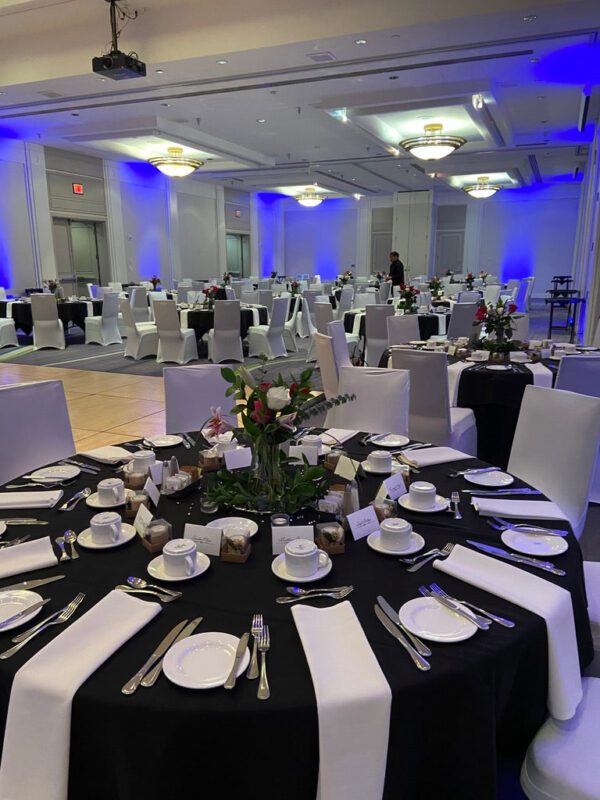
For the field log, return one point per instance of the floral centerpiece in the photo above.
(53, 284)
(483, 275)
(497, 320)
(294, 288)
(407, 301)
(274, 275)
(468, 281)
(210, 295)
(436, 288)
(345, 277)
(226, 279)
(449, 273)
(269, 410)
(155, 281)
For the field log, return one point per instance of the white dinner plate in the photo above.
(477, 360)
(203, 661)
(498, 367)
(94, 502)
(534, 544)
(227, 522)
(396, 467)
(588, 349)
(495, 478)
(156, 568)
(278, 567)
(414, 544)
(52, 474)
(441, 503)
(85, 538)
(166, 440)
(389, 440)
(418, 341)
(429, 619)
(2, 527)
(13, 602)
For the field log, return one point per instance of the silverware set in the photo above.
(475, 471)
(58, 618)
(546, 566)
(13, 542)
(414, 564)
(337, 593)
(140, 586)
(261, 644)
(70, 504)
(500, 524)
(23, 521)
(499, 492)
(83, 466)
(45, 484)
(455, 500)
(69, 538)
(255, 629)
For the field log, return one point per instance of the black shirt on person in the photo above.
(396, 272)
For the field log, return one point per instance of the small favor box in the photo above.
(133, 503)
(156, 535)
(195, 473)
(330, 537)
(235, 546)
(210, 461)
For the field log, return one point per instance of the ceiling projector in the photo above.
(117, 65)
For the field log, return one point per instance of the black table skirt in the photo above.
(428, 324)
(481, 696)
(203, 320)
(69, 312)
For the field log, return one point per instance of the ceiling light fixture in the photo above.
(360, 41)
(159, 71)
(530, 18)
(357, 196)
(222, 61)
(309, 198)
(261, 121)
(176, 165)
(482, 189)
(434, 144)
(477, 101)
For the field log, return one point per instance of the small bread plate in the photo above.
(94, 502)
(441, 504)
(229, 522)
(278, 567)
(534, 544)
(165, 440)
(389, 440)
(495, 478)
(15, 601)
(156, 568)
(498, 367)
(414, 544)
(85, 538)
(203, 661)
(428, 618)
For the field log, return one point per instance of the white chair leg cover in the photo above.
(178, 349)
(189, 394)
(326, 359)
(49, 334)
(563, 760)
(8, 333)
(99, 330)
(142, 342)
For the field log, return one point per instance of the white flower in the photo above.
(278, 397)
(247, 377)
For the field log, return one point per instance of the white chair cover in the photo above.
(461, 320)
(339, 338)
(250, 297)
(229, 293)
(104, 330)
(289, 330)
(115, 286)
(174, 342)
(224, 341)
(385, 288)
(268, 339)
(2, 293)
(8, 333)
(326, 361)
(520, 296)
(403, 328)
(468, 297)
(265, 298)
(491, 294)
(92, 290)
(48, 329)
(323, 316)
(381, 403)
(307, 326)
(376, 333)
(142, 337)
(34, 427)
(139, 304)
(190, 392)
(345, 302)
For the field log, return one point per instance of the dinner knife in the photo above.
(421, 663)
(23, 521)
(498, 492)
(151, 676)
(483, 623)
(241, 649)
(421, 648)
(133, 683)
(548, 566)
(24, 613)
(31, 584)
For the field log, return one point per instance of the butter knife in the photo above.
(24, 613)
(547, 566)
(23, 521)
(499, 492)
(31, 584)
(239, 653)
(419, 646)
(481, 622)
(151, 676)
(420, 662)
(134, 682)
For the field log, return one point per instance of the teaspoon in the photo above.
(140, 583)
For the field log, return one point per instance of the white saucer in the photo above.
(535, 544)
(224, 522)
(58, 473)
(93, 501)
(588, 349)
(13, 602)
(278, 567)
(476, 360)
(429, 619)
(389, 440)
(396, 467)
(85, 538)
(3, 527)
(498, 367)
(417, 341)
(157, 570)
(441, 504)
(415, 543)
(203, 661)
(496, 478)
(166, 440)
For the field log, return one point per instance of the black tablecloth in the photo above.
(483, 695)
(203, 320)
(69, 312)
(428, 324)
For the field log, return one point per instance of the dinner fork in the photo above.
(336, 596)
(29, 484)
(264, 643)
(443, 553)
(455, 498)
(494, 617)
(59, 618)
(504, 524)
(255, 629)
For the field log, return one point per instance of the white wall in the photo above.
(198, 235)
(16, 247)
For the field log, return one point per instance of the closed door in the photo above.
(381, 245)
(81, 254)
(449, 249)
(237, 247)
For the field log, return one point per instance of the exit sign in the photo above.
(237, 213)
(77, 188)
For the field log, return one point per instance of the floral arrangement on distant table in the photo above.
(226, 278)
(52, 284)
(210, 295)
(345, 277)
(294, 288)
(274, 275)
(407, 300)
(155, 281)
(469, 278)
(483, 274)
(435, 287)
(497, 319)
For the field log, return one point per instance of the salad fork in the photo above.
(339, 595)
(59, 618)
(264, 643)
(455, 501)
(443, 553)
(255, 630)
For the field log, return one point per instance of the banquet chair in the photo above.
(92, 290)
(345, 301)
(48, 330)
(306, 326)
(461, 320)
(376, 333)
(183, 293)
(142, 337)
(152, 297)
(521, 329)
(512, 287)
(250, 297)
(190, 393)
(468, 297)
(424, 298)
(224, 341)
(341, 352)
(104, 329)
(403, 328)
(238, 288)
(521, 295)
(265, 298)
(323, 316)
(596, 339)
(264, 284)
(174, 342)
(115, 286)
(326, 362)
(528, 293)
(385, 288)
(289, 329)
(491, 294)
(591, 573)
(139, 304)
(380, 404)
(268, 339)
(555, 448)
(34, 427)
(229, 293)
(2, 293)
(8, 333)
(431, 419)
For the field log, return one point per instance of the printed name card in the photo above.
(311, 453)
(238, 459)
(452, 350)
(152, 491)
(346, 468)
(142, 519)
(282, 534)
(156, 473)
(207, 540)
(363, 522)
(395, 486)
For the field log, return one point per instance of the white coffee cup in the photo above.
(142, 460)
(179, 557)
(311, 440)
(303, 558)
(394, 533)
(379, 461)
(223, 447)
(422, 495)
(105, 527)
(111, 491)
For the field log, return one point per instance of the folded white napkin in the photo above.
(520, 509)
(441, 318)
(47, 499)
(108, 455)
(454, 371)
(356, 324)
(183, 317)
(540, 596)
(541, 375)
(353, 703)
(35, 758)
(429, 456)
(89, 311)
(335, 435)
(220, 438)
(26, 557)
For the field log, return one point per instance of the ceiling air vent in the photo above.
(50, 95)
(321, 58)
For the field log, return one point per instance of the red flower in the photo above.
(480, 315)
(305, 390)
(402, 287)
(264, 387)
(293, 387)
(261, 414)
(512, 307)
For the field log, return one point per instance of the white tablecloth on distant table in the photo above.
(27, 557)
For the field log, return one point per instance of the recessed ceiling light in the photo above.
(101, 80)
(353, 179)
(360, 41)
(393, 78)
(74, 114)
(534, 60)
(261, 121)
(166, 105)
(541, 97)
(159, 71)
(543, 121)
(530, 18)
(222, 61)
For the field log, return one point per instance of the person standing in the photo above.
(396, 269)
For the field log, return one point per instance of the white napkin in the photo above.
(183, 317)
(429, 456)
(35, 758)
(519, 509)
(108, 455)
(353, 703)
(541, 375)
(356, 324)
(540, 596)
(454, 371)
(335, 435)
(220, 438)
(47, 499)
(89, 312)
(26, 557)
(441, 318)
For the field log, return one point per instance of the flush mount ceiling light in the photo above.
(176, 165)
(434, 144)
(310, 198)
(482, 189)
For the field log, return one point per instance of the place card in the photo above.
(381, 494)
(363, 522)
(395, 486)
(238, 459)
(311, 453)
(155, 471)
(142, 519)
(282, 534)
(347, 468)
(207, 540)
(452, 350)
(152, 491)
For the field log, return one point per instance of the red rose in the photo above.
(293, 387)
(480, 315)
(512, 307)
(264, 387)
(305, 391)
(261, 415)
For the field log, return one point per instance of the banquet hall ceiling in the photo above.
(328, 110)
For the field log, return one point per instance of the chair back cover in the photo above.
(381, 404)
(44, 308)
(429, 408)
(265, 298)
(345, 302)
(189, 394)
(341, 355)
(403, 328)
(167, 320)
(226, 342)
(468, 297)
(278, 315)
(229, 293)
(92, 290)
(520, 298)
(385, 288)
(326, 361)
(461, 320)
(323, 316)
(250, 297)
(579, 374)
(376, 332)
(110, 306)
(183, 293)
(491, 294)
(115, 286)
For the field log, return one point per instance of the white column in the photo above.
(413, 231)
(472, 248)
(363, 237)
(221, 230)
(586, 260)
(173, 253)
(115, 232)
(254, 238)
(38, 206)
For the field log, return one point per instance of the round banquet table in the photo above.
(202, 320)
(69, 312)
(428, 324)
(483, 696)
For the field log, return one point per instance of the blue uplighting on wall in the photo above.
(268, 213)
(577, 65)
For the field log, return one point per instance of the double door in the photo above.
(81, 254)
